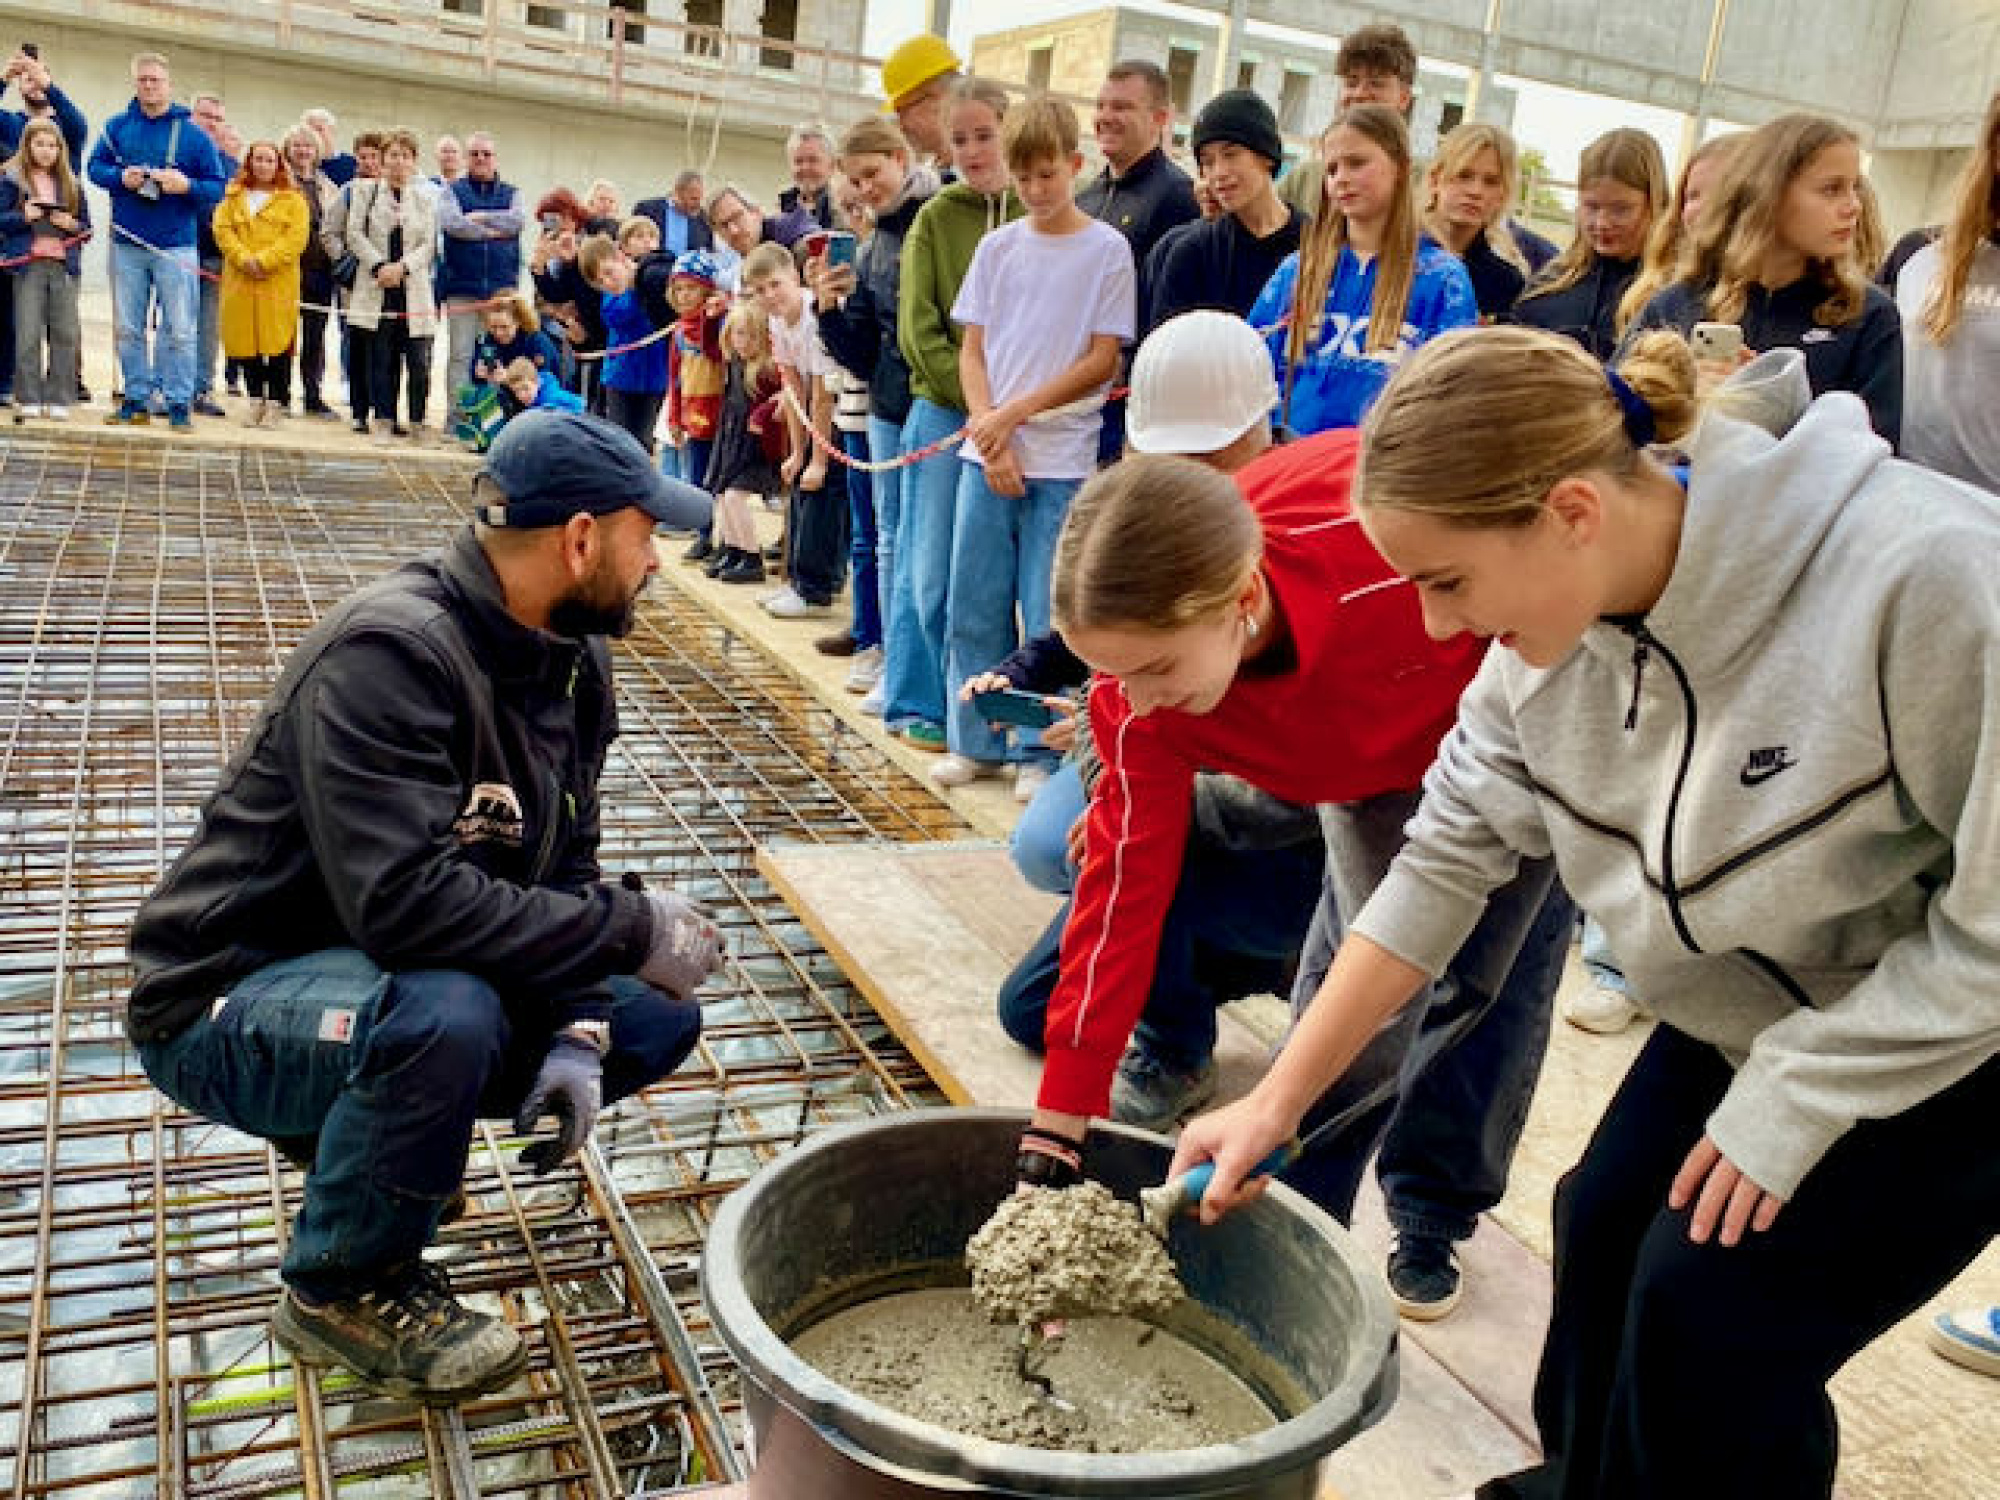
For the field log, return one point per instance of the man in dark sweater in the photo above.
(391, 923)
(1224, 262)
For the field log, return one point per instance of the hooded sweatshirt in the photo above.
(861, 333)
(132, 138)
(1586, 310)
(936, 256)
(1770, 789)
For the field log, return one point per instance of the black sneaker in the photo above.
(701, 549)
(207, 406)
(412, 1339)
(1423, 1277)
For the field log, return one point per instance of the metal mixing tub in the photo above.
(889, 1203)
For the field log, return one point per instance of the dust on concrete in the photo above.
(1118, 1385)
(1071, 1252)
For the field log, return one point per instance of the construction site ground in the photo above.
(150, 584)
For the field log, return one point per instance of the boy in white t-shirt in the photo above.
(1046, 305)
(815, 538)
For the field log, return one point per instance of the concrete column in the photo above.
(937, 17)
(1479, 90)
(1228, 49)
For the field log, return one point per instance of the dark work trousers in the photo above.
(1233, 929)
(816, 538)
(1452, 1110)
(269, 377)
(399, 358)
(638, 412)
(312, 336)
(1674, 1369)
(359, 344)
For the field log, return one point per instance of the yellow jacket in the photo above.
(260, 313)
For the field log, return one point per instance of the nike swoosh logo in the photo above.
(1758, 775)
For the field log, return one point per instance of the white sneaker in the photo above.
(789, 606)
(1601, 1010)
(56, 413)
(957, 770)
(1029, 778)
(27, 412)
(864, 670)
(877, 701)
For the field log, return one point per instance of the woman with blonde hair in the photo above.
(44, 220)
(1775, 252)
(1363, 289)
(392, 234)
(1721, 708)
(1621, 191)
(1471, 186)
(1949, 298)
(1699, 176)
(262, 226)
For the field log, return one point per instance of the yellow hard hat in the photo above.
(914, 64)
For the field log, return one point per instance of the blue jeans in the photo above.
(885, 443)
(1003, 552)
(1040, 844)
(1449, 1125)
(916, 622)
(1233, 929)
(137, 277)
(861, 544)
(670, 460)
(387, 1073)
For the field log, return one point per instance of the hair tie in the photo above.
(1639, 425)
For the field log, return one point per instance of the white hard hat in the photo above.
(1199, 382)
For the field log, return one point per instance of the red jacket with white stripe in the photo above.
(1357, 709)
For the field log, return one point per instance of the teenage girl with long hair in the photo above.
(1949, 296)
(43, 223)
(1699, 176)
(1775, 252)
(1621, 192)
(1364, 289)
(1470, 189)
(1756, 722)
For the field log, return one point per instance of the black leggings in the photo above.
(269, 377)
(1674, 1369)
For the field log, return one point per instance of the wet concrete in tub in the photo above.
(1130, 1387)
(1068, 1253)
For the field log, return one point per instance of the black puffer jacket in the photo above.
(421, 785)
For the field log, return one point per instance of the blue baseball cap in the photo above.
(550, 465)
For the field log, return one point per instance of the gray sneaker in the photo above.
(411, 1339)
(1149, 1094)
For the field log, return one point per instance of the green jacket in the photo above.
(936, 256)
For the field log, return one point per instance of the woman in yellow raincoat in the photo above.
(261, 227)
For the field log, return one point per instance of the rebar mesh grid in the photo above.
(148, 594)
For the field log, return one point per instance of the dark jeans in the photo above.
(816, 538)
(269, 377)
(635, 411)
(359, 344)
(399, 357)
(867, 625)
(696, 455)
(1449, 1119)
(1233, 929)
(312, 350)
(389, 1072)
(1674, 1369)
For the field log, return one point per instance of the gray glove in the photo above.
(687, 946)
(570, 1087)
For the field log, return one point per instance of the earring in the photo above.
(1250, 626)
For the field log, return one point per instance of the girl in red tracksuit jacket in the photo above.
(1266, 640)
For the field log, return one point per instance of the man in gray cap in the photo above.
(390, 922)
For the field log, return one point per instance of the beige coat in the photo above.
(372, 212)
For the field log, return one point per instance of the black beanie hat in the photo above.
(1241, 117)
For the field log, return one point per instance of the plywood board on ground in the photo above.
(928, 932)
(1437, 1440)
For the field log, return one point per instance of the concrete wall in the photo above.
(1947, 69)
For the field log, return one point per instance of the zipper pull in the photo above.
(1639, 655)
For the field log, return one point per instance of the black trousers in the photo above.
(816, 538)
(268, 377)
(360, 357)
(312, 354)
(398, 358)
(635, 411)
(1674, 1369)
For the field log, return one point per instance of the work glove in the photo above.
(687, 945)
(570, 1087)
(1047, 1158)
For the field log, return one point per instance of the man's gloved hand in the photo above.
(687, 945)
(1047, 1158)
(570, 1087)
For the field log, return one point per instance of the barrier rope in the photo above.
(69, 243)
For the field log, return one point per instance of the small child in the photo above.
(815, 512)
(748, 443)
(639, 237)
(532, 386)
(636, 305)
(694, 371)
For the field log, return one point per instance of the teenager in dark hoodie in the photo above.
(1776, 255)
(1224, 262)
(1621, 189)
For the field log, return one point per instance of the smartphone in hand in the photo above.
(1008, 706)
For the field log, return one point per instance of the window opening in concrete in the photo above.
(1181, 63)
(635, 34)
(780, 24)
(1293, 100)
(1041, 60)
(704, 33)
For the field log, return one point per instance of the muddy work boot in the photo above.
(410, 1338)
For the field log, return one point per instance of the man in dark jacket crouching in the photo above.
(390, 921)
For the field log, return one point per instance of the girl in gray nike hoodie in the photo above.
(1756, 721)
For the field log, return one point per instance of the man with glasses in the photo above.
(482, 222)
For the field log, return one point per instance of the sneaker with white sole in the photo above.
(877, 702)
(1423, 1277)
(958, 770)
(791, 605)
(1146, 1092)
(864, 669)
(1969, 1336)
(1601, 1009)
(1029, 778)
(56, 413)
(410, 1338)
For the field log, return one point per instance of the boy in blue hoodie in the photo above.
(162, 174)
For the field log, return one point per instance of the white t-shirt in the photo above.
(797, 344)
(1040, 299)
(1951, 395)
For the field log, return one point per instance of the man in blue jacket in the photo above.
(162, 174)
(482, 222)
(391, 923)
